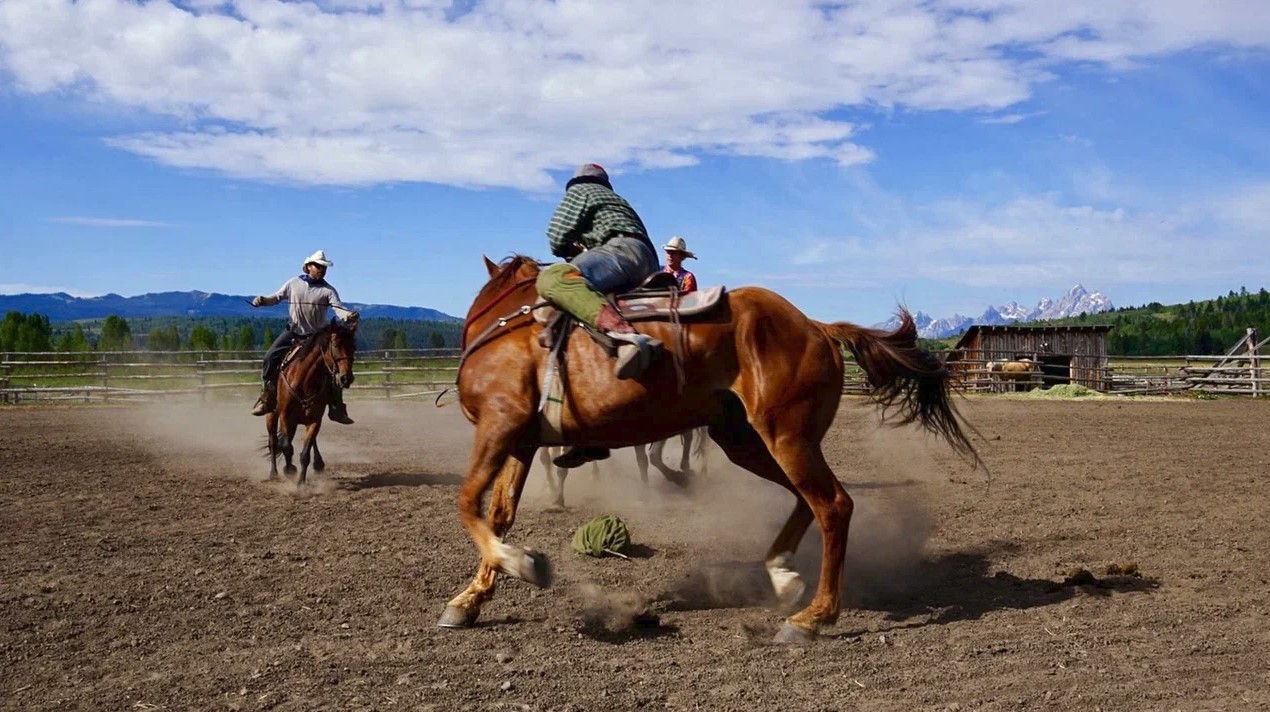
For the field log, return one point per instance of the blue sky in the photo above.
(947, 154)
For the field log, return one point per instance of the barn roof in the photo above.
(1014, 329)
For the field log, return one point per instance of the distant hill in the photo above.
(64, 307)
(1077, 301)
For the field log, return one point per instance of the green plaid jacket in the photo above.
(589, 216)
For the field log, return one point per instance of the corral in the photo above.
(1107, 563)
(1065, 354)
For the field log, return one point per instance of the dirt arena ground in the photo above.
(146, 565)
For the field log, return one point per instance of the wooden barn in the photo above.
(1065, 354)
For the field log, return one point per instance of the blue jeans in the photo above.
(620, 264)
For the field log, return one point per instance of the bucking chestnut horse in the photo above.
(304, 387)
(765, 379)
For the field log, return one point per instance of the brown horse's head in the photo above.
(511, 280)
(339, 346)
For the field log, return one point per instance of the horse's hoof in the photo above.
(290, 469)
(535, 568)
(790, 634)
(319, 466)
(675, 477)
(455, 617)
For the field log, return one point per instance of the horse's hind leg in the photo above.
(555, 477)
(743, 446)
(793, 440)
(641, 461)
(496, 556)
(685, 439)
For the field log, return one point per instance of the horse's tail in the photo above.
(906, 377)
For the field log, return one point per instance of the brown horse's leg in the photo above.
(496, 556)
(743, 446)
(288, 449)
(310, 440)
(793, 437)
(271, 432)
(318, 463)
(685, 439)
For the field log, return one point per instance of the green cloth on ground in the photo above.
(608, 532)
(570, 293)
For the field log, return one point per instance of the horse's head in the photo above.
(511, 285)
(340, 346)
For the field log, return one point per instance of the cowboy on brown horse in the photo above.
(608, 250)
(309, 295)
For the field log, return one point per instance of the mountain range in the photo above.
(1077, 301)
(63, 307)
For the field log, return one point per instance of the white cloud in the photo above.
(108, 222)
(498, 93)
(1039, 241)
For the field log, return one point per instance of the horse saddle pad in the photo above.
(648, 306)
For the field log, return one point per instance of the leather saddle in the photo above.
(657, 298)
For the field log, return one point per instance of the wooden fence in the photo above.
(409, 373)
(140, 375)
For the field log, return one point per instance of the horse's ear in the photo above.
(490, 266)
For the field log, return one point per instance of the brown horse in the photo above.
(765, 379)
(304, 385)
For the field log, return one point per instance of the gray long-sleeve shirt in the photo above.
(309, 299)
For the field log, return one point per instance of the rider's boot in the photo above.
(267, 400)
(635, 351)
(574, 457)
(336, 410)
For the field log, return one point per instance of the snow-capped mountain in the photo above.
(1077, 301)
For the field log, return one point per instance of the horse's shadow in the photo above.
(962, 586)
(941, 589)
(397, 479)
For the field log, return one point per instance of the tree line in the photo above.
(1208, 327)
(21, 332)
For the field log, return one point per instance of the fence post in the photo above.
(105, 378)
(202, 380)
(1254, 362)
(4, 380)
(387, 374)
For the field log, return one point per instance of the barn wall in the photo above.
(1087, 349)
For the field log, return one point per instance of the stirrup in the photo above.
(634, 354)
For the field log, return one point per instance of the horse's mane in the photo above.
(314, 340)
(507, 270)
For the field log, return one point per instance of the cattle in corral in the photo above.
(1018, 373)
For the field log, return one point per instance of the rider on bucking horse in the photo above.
(608, 251)
(309, 295)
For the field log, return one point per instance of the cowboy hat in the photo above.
(319, 258)
(677, 244)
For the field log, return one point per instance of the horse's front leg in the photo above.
(288, 431)
(685, 439)
(496, 556)
(310, 440)
(318, 463)
(555, 477)
(271, 432)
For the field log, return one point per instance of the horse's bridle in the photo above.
(490, 331)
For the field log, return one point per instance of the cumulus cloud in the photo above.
(500, 93)
(1035, 240)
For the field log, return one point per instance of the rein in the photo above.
(493, 302)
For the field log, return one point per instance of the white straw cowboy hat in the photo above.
(319, 258)
(677, 244)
